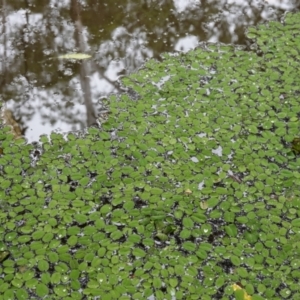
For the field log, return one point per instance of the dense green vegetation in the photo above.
(188, 188)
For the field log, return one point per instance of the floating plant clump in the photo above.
(190, 191)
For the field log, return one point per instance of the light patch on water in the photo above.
(217, 151)
(194, 159)
(187, 43)
(200, 185)
(183, 5)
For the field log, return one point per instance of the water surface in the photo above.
(47, 93)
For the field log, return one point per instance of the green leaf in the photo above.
(173, 282)
(43, 265)
(235, 260)
(189, 246)
(231, 230)
(137, 252)
(251, 237)
(42, 290)
(296, 222)
(239, 294)
(188, 223)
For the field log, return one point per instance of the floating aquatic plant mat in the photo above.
(195, 195)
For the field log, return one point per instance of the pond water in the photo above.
(47, 92)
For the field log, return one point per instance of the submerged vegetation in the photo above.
(189, 191)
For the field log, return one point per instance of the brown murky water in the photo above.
(47, 93)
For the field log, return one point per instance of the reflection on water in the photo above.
(46, 92)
